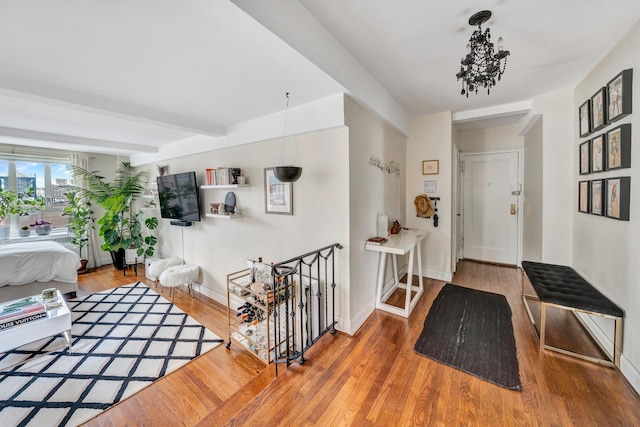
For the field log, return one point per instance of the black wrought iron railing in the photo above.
(305, 294)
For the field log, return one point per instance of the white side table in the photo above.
(399, 244)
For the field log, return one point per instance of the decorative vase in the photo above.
(24, 233)
(43, 230)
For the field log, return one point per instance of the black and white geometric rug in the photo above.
(123, 340)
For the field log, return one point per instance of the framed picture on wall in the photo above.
(598, 110)
(619, 147)
(278, 196)
(583, 196)
(618, 198)
(430, 167)
(597, 153)
(619, 95)
(595, 197)
(584, 116)
(585, 157)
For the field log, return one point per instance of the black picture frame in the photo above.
(619, 95)
(599, 109)
(584, 118)
(617, 200)
(598, 152)
(619, 147)
(585, 157)
(583, 197)
(596, 197)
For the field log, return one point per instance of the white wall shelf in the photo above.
(234, 216)
(212, 187)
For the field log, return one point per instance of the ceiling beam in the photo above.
(73, 140)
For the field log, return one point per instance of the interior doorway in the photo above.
(492, 206)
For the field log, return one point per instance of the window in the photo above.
(46, 179)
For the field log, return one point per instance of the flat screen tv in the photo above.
(179, 198)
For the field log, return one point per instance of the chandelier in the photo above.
(481, 66)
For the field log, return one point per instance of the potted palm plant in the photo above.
(121, 226)
(12, 203)
(80, 222)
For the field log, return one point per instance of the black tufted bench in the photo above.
(560, 286)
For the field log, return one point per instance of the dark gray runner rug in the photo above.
(471, 330)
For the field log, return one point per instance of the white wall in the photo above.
(491, 139)
(320, 206)
(533, 204)
(371, 192)
(606, 251)
(557, 176)
(431, 139)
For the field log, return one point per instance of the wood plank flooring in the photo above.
(375, 377)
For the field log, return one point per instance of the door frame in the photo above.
(520, 203)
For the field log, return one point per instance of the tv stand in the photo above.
(181, 223)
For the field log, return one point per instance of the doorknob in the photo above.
(513, 209)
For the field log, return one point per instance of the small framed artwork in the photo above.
(278, 196)
(598, 110)
(430, 167)
(595, 197)
(619, 95)
(597, 153)
(583, 196)
(430, 187)
(584, 114)
(619, 147)
(585, 157)
(618, 198)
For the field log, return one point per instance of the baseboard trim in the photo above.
(435, 274)
(630, 372)
(358, 320)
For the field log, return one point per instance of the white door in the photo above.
(490, 207)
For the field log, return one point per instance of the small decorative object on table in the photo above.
(24, 231)
(376, 240)
(395, 227)
(42, 227)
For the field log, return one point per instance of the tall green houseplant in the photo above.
(80, 222)
(121, 226)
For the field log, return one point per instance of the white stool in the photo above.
(179, 275)
(156, 268)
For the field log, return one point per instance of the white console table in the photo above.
(399, 244)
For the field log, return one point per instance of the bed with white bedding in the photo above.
(28, 268)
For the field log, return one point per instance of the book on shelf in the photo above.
(10, 323)
(222, 176)
(376, 240)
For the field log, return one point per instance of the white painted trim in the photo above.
(327, 113)
(503, 110)
(445, 276)
(527, 122)
(358, 320)
(630, 372)
(214, 295)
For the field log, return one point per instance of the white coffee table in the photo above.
(58, 321)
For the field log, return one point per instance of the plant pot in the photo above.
(118, 258)
(83, 266)
(43, 230)
(5, 231)
(24, 233)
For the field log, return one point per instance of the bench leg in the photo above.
(543, 321)
(617, 342)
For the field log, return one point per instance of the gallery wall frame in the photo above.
(598, 149)
(278, 196)
(583, 196)
(584, 116)
(599, 109)
(618, 191)
(585, 158)
(596, 199)
(619, 95)
(619, 147)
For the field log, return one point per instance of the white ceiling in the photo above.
(128, 77)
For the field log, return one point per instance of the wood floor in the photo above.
(375, 377)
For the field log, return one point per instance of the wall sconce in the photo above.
(391, 167)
